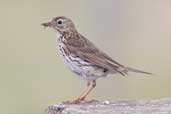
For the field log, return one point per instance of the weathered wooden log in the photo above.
(158, 106)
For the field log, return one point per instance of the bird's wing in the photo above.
(86, 50)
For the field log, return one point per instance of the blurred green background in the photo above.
(136, 33)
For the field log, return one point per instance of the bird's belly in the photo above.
(84, 69)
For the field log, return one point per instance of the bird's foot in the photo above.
(79, 101)
(76, 101)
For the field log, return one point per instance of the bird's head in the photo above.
(60, 24)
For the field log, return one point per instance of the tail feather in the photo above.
(138, 71)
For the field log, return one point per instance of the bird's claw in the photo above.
(79, 101)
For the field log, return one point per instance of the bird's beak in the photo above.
(48, 24)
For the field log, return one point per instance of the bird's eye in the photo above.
(59, 22)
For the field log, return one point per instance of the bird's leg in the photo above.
(78, 99)
(87, 88)
(90, 88)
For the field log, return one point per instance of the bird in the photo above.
(82, 57)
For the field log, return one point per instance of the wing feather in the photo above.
(93, 55)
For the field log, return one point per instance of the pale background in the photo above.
(134, 32)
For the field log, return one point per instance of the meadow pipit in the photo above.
(83, 57)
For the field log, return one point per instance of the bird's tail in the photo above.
(138, 71)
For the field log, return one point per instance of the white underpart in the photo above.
(82, 68)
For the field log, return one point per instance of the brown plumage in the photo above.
(82, 57)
